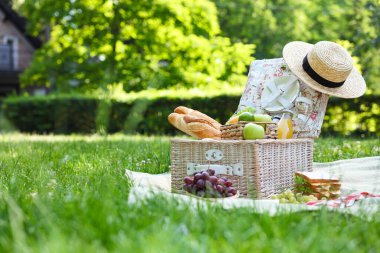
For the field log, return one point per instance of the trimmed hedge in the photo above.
(78, 114)
(52, 114)
(150, 116)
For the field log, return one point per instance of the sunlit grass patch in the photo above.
(70, 194)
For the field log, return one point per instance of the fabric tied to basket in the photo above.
(303, 108)
(233, 169)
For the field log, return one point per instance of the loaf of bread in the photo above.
(177, 120)
(194, 123)
(198, 114)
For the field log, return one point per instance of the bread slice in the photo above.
(321, 185)
(317, 177)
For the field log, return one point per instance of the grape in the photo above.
(197, 176)
(187, 188)
(205, 175)
(188, 180)
(213, 179)
(228, 183)
(313, 198)
(220, 182)
(232, 190)
(220, 188)
(309, 198)
(295, 198)
(211, 193)
(200, 184)
(211, 172)
(207, 184)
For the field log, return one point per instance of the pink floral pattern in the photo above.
(262, 71)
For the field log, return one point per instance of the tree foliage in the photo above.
(141, 44)
(270, 24)
(165, 43)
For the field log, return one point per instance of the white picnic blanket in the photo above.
(360, 175)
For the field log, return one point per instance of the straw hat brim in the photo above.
(294, 53)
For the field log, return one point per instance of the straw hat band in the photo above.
(316, 77)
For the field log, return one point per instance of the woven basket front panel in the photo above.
(276, 163)
(268, 165)
(234, 152)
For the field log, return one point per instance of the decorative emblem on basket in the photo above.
(214, 155)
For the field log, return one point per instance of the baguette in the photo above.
(193, 126)
(177, 120)
(203, 130)
(197, 114)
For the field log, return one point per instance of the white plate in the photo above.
(280, 93)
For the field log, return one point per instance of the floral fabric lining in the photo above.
(307, 119)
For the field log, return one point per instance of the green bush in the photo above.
(360, 116)
(149, 116)
(78, 114)
(52, 114)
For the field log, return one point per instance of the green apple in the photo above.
(262, 118)
(247, 109)
(253, 131)
(246, 116)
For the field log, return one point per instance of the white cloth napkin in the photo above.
(361, 174)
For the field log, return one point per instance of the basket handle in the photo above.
(232, 170)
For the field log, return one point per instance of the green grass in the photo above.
(69, 194)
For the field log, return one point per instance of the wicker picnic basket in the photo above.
(235, 131)
(257, 168)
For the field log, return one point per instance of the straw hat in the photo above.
(326, 67)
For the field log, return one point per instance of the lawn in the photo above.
(69, 194)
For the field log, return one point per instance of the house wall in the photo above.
(24, 50)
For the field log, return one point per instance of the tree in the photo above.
(270, 24)
(142, 44)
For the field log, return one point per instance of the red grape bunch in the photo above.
(207, 184)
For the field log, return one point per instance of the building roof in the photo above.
(19, 22)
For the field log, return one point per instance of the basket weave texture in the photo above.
(268, 166)
(235, 131)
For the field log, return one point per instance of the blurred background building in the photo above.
(16, 49)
